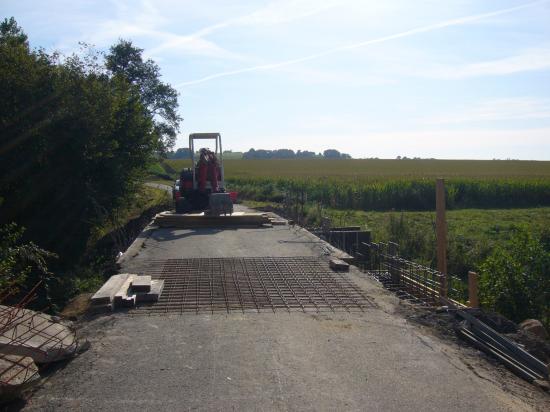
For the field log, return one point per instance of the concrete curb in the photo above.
(134, 248)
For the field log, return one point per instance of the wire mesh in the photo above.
(252, 284)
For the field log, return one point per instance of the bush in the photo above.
(515, 279)
(22, 264)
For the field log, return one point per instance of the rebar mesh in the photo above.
(258, 284)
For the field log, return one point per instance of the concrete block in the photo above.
(37, 335)
(106, 294)
(337, 264)
(16, 374)
(153, 295)
(141, 284)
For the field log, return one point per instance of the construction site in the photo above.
(219, 307)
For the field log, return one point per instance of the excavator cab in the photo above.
(208, 168)
(202, 186)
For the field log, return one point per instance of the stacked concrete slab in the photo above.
(125, 290)
(28, 338)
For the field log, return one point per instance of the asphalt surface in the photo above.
(375, 360)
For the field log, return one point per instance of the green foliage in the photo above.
(515, 279)
(159, 99)
(405, 194)
(20, 262)
(156, 171)
(415, 243)
(11, 34)
(76, 140)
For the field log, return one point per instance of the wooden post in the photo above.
(473, 300)
(441, 234)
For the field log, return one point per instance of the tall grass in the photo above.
(399, 194)
(379, 184)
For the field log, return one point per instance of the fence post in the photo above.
(441, 234)
(473, 300)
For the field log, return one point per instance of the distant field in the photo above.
(378, 169)
(388, 184)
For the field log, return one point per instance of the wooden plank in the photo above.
(106, 293)
(473, 300)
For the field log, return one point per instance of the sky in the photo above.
(424, 78)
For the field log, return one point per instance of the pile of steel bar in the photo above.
(252, 284)
(504, 350)
(189, 221)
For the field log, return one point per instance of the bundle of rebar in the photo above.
(515, 358)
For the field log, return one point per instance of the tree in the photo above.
(12, 34)
(75, 142)
(305, 154)
(181, 153)
(160, 99)
(331, 154)
(284, 154)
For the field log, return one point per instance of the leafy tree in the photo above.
(160, 99)
(75, 140)
(12, 34)
(305, 154)
(331, 154)
(284, 154)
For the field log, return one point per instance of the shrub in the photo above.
(515, 279)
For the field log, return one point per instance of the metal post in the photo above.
(473, 300)
(441, 233)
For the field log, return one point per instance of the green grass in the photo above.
(477, 223)
(485, 225)
(145, 198)
(472, 233)
(168, 182)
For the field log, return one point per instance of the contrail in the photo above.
(411, 32)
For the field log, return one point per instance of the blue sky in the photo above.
(445, 79)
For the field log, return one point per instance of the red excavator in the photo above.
(202, 186)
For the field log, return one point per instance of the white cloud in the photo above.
(527, 60)
(144, 22)
(399, 35)
(276, 12)
(519, 108)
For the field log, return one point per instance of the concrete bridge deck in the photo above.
(372, 360)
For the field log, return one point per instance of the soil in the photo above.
(443, 323)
